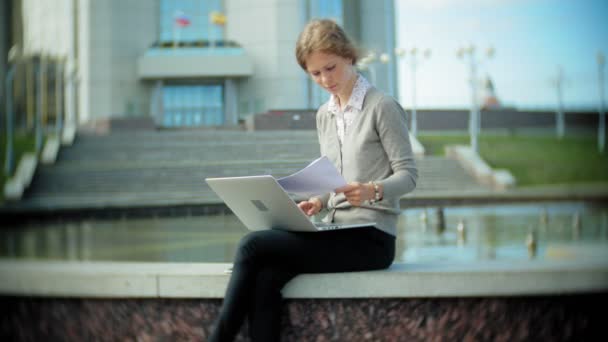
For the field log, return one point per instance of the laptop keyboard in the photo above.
(327, 226)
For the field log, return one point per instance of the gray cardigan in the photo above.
(376, 149)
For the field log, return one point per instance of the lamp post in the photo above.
(601, 131)
(366, 62)
(557, 82)
(414, 62)
(474, 116)
(385, 58)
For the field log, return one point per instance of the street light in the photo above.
(474, 116)
(384, 58)
(368, 61)
(558, 82)
(414, 62)
(601, 132)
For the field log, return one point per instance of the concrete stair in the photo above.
(164, 168)
(440, 174)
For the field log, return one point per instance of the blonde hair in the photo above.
(324, 35)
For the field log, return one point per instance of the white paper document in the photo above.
(319, 177)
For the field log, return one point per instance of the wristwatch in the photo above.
(376, 193)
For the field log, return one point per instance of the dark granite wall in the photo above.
(556, 318)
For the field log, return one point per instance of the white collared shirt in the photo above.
(345, 118)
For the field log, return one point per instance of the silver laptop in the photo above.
(261, 203)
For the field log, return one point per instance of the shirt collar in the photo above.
(356, 97)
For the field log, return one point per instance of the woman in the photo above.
(364, 134)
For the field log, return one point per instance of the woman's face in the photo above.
(333, 73)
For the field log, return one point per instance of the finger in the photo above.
(312, 210)
(346, 188)
(304, 206)
(352, 200)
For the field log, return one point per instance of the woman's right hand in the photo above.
(311, 207)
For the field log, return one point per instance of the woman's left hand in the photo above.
(356, 193)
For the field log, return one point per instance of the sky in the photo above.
(531, 39)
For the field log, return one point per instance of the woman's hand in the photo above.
(356, 193)
(311, 207)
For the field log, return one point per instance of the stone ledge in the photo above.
(68, 134)
(50, 151)
(14, 187)
(417, 147)
(472, 162)
(209, 280)
(503, 179)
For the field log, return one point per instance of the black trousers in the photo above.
(266, 260)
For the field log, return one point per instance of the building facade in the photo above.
(196, 62)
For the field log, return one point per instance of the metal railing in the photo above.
(10, 159)
(40, 99)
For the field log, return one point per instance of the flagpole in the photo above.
(176, 41)
(210, 23)
(174, 30)
(215, 18)
(180, 20)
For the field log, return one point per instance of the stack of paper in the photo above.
(319, 177)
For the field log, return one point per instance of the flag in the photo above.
(217, 18)
(182, 20)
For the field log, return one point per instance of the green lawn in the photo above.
(535, 159)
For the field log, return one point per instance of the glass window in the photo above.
(330, 9)
(194, 18)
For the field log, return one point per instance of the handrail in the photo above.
(10, 156)
(70, 86)
(59, 103)
(28, 95)
(40, 100)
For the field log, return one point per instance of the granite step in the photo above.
(169, 167)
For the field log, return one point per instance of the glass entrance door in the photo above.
(193, 105)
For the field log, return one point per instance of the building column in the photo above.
(4, 42)
(157, 109)
(230, 103)
(391, 67)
